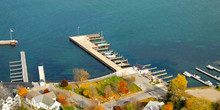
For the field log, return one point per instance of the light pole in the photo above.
(78, 30)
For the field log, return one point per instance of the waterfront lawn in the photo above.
(101, 88)
(69, 87)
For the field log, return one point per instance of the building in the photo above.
(45, 101)
(153, 105)
(8, 100)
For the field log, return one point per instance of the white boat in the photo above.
(209, 83)
(108, 53)
(196, 76)
(111, 56)
(210, 67)
(187, 74)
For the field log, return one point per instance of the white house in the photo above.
(8, 100)
(42, 100)
(153, 105)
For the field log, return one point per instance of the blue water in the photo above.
(175, 35)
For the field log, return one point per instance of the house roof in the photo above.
(32, 94)
(51, 94)
(14, 85)
(5, 93)
(153, 105)
(44, 99)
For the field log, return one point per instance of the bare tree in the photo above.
(108, 91)
(80, 75)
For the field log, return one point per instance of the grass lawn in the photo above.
(69, 87)
(100, 86)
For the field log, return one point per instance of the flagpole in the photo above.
(10, 34)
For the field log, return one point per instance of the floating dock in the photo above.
(213, 68)
(207, 74)
(196, 78)
(8, 42)
(84, 42)
(18, 69)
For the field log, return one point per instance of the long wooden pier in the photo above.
(84, 42)
(207, 74)
(19, 69)
(8, 42)
(24, 67)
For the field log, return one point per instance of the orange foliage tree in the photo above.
(167, 107)
(23, 91)
(46, 91)
(62, 100)
(123, 86)
(98, 108)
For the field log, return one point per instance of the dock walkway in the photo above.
(88, 46)
(207, 74)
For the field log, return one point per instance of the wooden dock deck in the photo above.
(207, 74)
(24, 66)
(41, 73)
(84, 43)
(8, 42)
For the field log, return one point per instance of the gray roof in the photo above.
(5, 93)
(14, 85)
(44, 99)
(32, 94)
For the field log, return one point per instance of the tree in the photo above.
(108, 91)
(130, 107)
(80, 75)
(198, 104)
(93, 92)
(167, 107)
(46, 91)
(23, 92)
(62, 100)
(178, 86)
(64, 83)
(86, 92)
(116, 88)
(123, 86)
(99, 108)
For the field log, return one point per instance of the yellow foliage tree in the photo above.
(23, 91)
(178, 86)
(80, 75)
(86, 92)
(98, 108)
(198, 104)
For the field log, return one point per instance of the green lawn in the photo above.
(100, 86)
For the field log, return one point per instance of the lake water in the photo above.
(174, 35)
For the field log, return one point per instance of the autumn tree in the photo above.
(178, 86)
(198, 104)
(46, 91)
(62, 100)
(80, 75)
(93, 92)
(116, 88)
(108, 91)
(23, 91)
(64, 83)
(99, 108)
(123, 86)
(130, 107)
